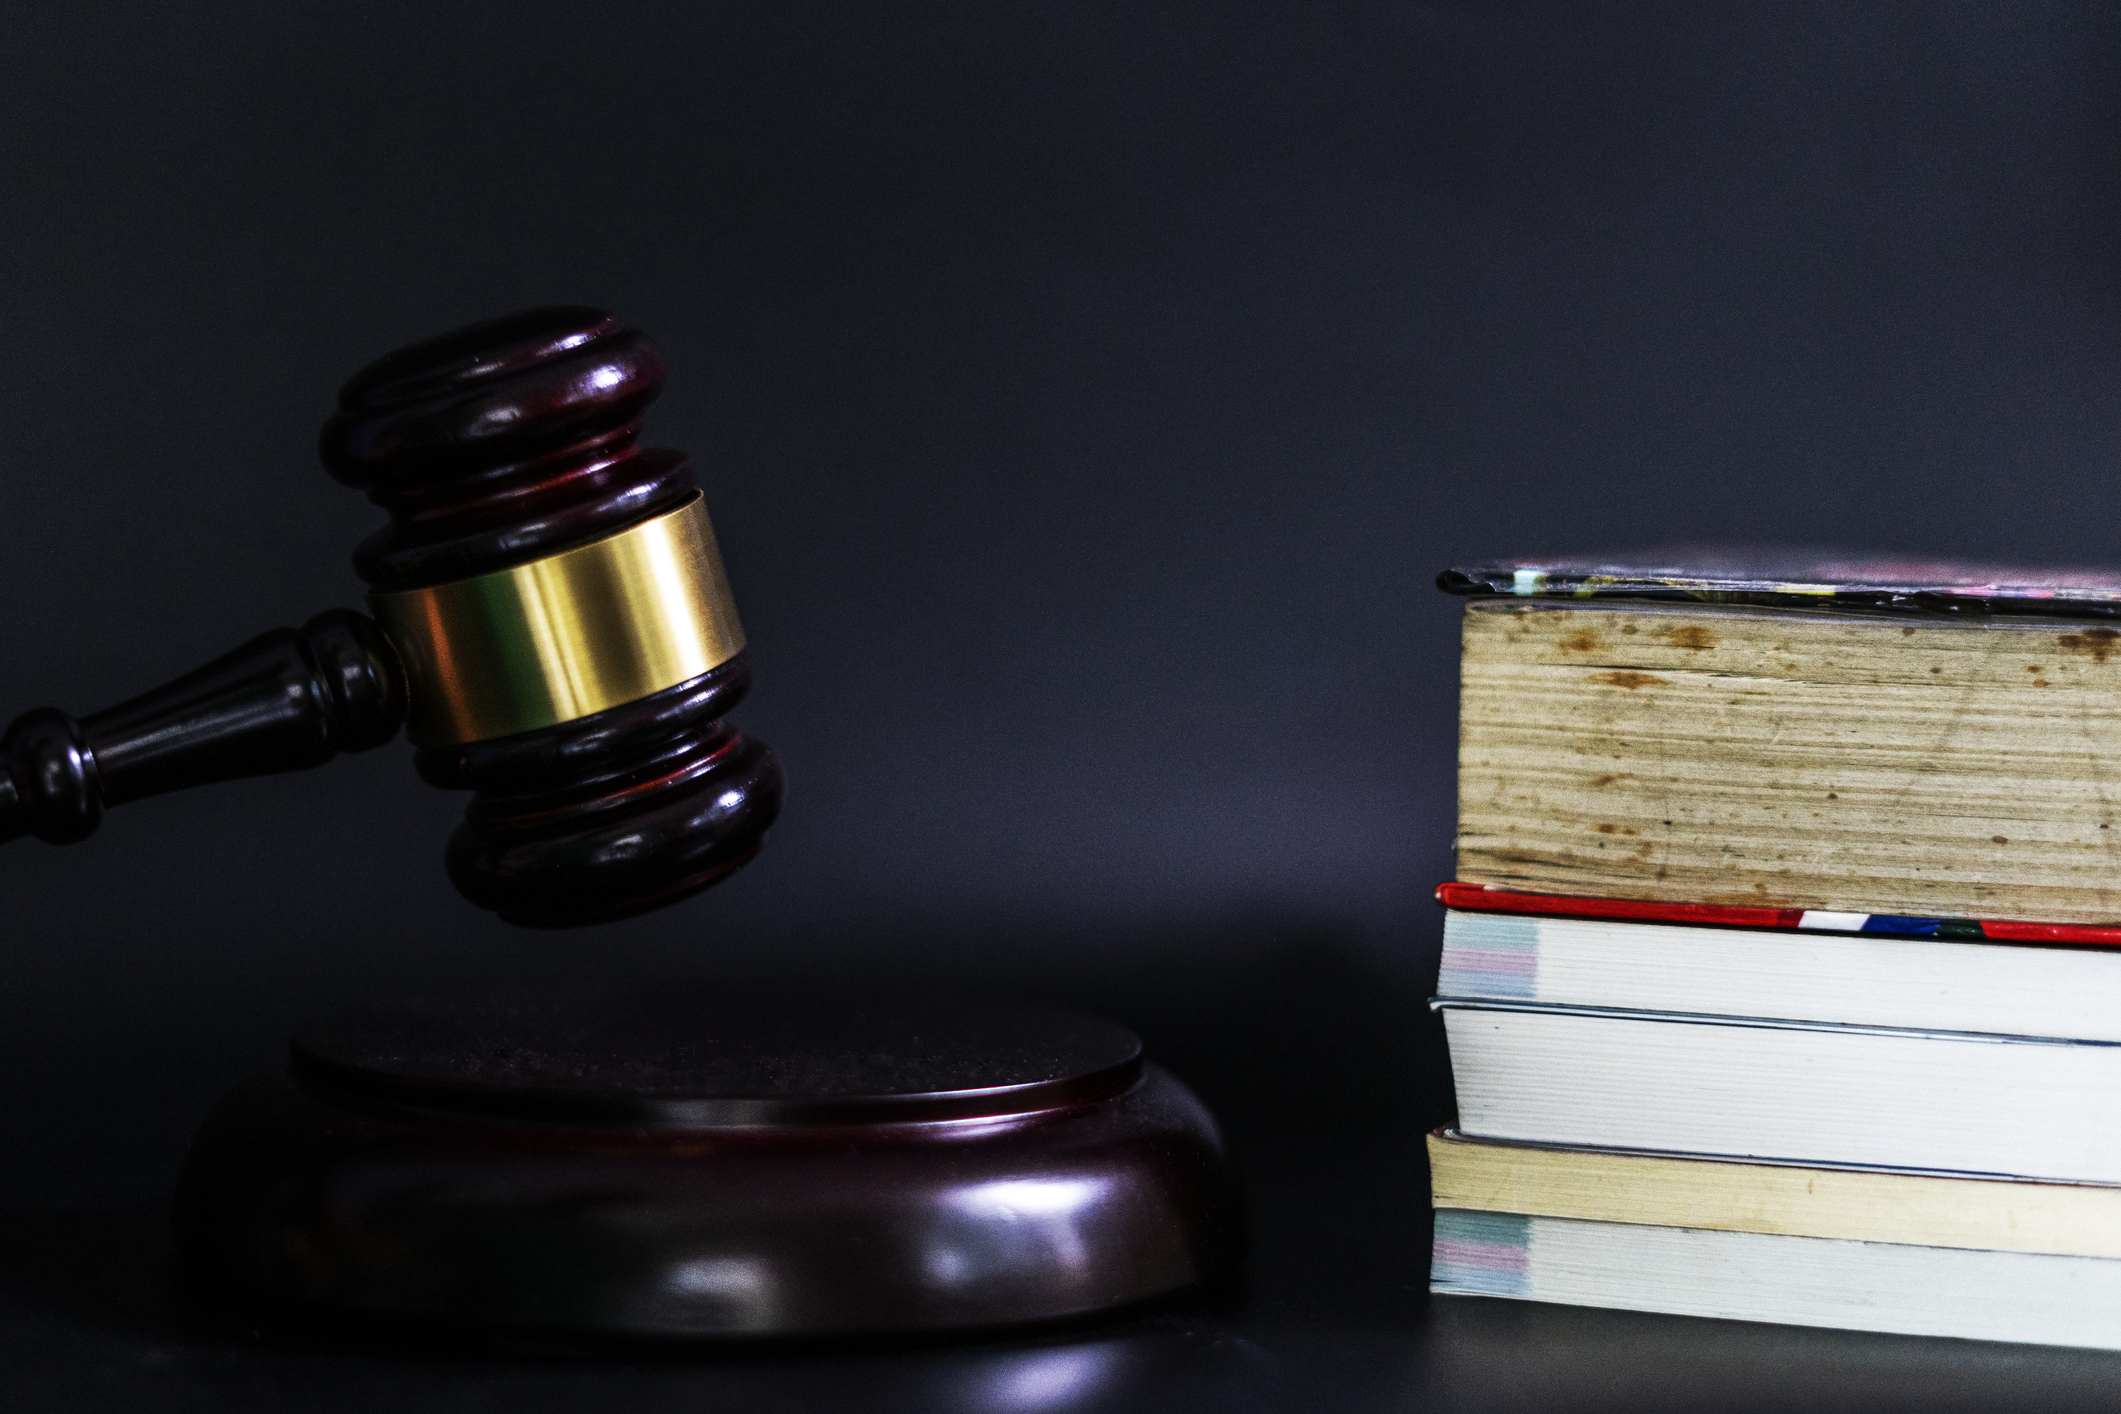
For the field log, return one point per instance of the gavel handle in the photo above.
(285, 701)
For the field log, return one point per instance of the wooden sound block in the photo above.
(699, 1162)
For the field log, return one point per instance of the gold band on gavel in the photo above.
(559, 638)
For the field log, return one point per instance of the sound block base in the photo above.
(679, 1162)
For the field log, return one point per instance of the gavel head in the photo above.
(555, 596)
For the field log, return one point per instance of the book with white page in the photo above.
(1809, 1092)
(1860, 979)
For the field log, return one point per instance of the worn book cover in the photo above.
(1801, 577)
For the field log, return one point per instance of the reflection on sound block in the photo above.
(684, 1161)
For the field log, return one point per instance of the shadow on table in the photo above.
(88, 1308)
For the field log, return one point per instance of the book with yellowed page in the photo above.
(1880, 737)
(1861, 1249)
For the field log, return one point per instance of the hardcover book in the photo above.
(1880, 737)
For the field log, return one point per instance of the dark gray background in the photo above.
(1086, 396)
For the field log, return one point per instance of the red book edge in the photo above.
(1481, 898)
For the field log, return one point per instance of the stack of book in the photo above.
(1782, 971)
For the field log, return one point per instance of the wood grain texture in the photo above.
(1875, 763)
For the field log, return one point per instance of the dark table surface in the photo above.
(1326, 1070)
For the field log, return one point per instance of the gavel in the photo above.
(551, 626)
